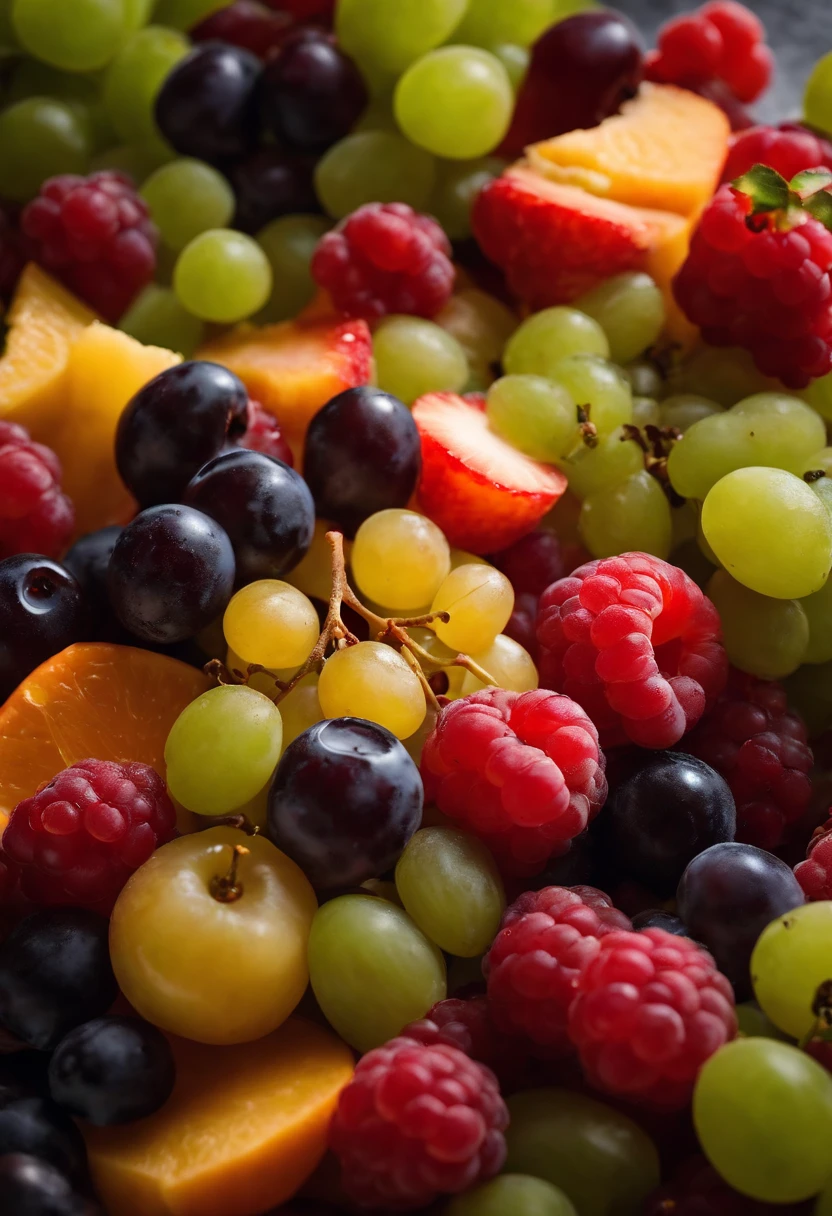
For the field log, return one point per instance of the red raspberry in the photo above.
(385, 258)
(634, 641)
(416, 1122)
(263, 434)
(759, 746)
(721, 42)
(247, 24)
(35, 515)
(468, 1026)
(523, 771)
(651, 1008)
(95, 234)
(789, 149)
(766, 287)
(815, 873)
(546, 939)
(81, 836)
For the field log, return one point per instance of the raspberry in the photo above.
(651, 1008)
(35, 515)
(547, 937)
(95, 234)
(247, 24)
(523, 771)
(468, 1025)
(385, 258)
(759, 746)
(81, 836)
(765, 287)
(815, 873)
(263, 434)
(722, 42)
(635, 642)
(416, 1122)
(789, 149)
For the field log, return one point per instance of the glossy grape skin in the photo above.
(817, 100)
(399, 560)
(657, 918)
(373, 681)
(374, 167)
(271, 623)
(174, 425)
(34, 1125)
(40, 138)
(112, 1070)
(88, 560)
(80, 37)
(55, 973)
(187, 197)
(519, 1194)
(630, 309)
(372, 969)
(390, 37)
(545, 338)
(42, 610)
(727, 896)
(223, 276)
(29, 1185)
(207, 107)
(345, 800)
(363, 455)
(311, 92)
(263, 505)
(659, 818)
(268, 183)
(171, 573)
(766, 637)
(134, 78)
(455, 102)
(789, 964)
(414, 356)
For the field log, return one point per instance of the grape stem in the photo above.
(226, 889)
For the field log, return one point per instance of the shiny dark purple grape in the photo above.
(263, 505)
(55, 973)
(727, 896)
(345, 800)
(171, 573)
(363, 455)
(208, 106)
(112, 1070)
(88, 560)
(42, 610)
(312, 94)
(31, 1187)
(34, 1125)
(659, 817)
(270, 183)
(181, 419)
(657, 918)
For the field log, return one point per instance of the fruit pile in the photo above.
(415, 613)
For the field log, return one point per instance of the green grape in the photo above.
(770, 531)
(629, 307)
(823, 1206)
(186, 198)
(763, 1115)
(272, 624)
(601, 388)
(137, 14)
(548, 337)
(371, 680)
(763, 636)
(818, 461)
(817, 100)
(372, 969)
(223, 749)
(391, 36)
(8, 37)
(481, 325)
(603, 1161)
(818, 609)
(133, 80)
(185, 14)
(645, 378)
(690, 558)
(810, 693)
(40, 138)
(222, 276)
(81, 93)
(684, 409)
(518, 1194)
(414, 357)
(515, 60)
(449, 883)
(136, 160)
(536, 415)
(789, 964)
(79, 36)
(646, 412)
(507, 663)
(632, 515)
(156, 318)
(377, 117)
(456, 102)
(819, 396)
(374, 167)
(754, 1024)
(457, 186)
(479, 600)
(723, 374)
(400, 559)
(592, 470)
(289, 243)
(487, 21)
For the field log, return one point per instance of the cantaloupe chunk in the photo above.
(244, 1129)
(44, 320)
(664, 150)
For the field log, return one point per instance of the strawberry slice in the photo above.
(479, 490)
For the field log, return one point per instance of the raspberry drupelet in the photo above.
(35, 515)
(523, 771)
(385, 258)
(651, 1009)
(81, 836)
(788, 148)
(635, 642)
(815, 873)
(722, 41)
(416, 1122)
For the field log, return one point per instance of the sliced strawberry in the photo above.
(479, 490)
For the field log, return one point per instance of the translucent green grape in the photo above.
(789, 964)
(817, 100)
(515, 60)
(684, 409)
(645, 378)
(80, 36)
(630, 309)
(646, 412)
(818, 609)
(40, 138)
(536, 415)
(479, 601)
(374, 167)
(223, 276)
(763, 636)
(819, 396)
(592, 469)
(137, 14)
(599, 387)
(632, 515)
(754, 1024)
(548, 337)
(389, 36)
(289, 243)
(763, 1115)
(137, 161)
(156, 318)
(518, 1194)
(456, 102)
(414, 356)
(507, 662)
(723, 374)
(457, 186)
(185, 14)
(135, 77)
(186, 198)
(488, 21)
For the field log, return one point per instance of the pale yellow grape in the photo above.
(508, 663)
(684, 409)
(766, 637)
(301, 708)
(600, 387)
(414, 357)
(400, 559)
(461, 557)
(547, 337)
(646, 412)
(271, 623)
(611, 461)
(820, 461)
(533, 414)
(480, 601)
(790, 962)
(631, 516)
(373, 681)
(630, 309)
(313, 573)
(645, 378)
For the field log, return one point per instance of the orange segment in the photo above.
(245, 1127)
(110, 702)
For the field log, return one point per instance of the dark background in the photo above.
(799, 31)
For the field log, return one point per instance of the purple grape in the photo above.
(171, 573)
(312, 93)
(208, 105)
(35, 1126)
(727, 896)
(345, 800)
(42, 610)
(263, 505)
(88, 560)
(32, 1187)
(269, 183)
(657, 918)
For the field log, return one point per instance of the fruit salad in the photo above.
(415, 609)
